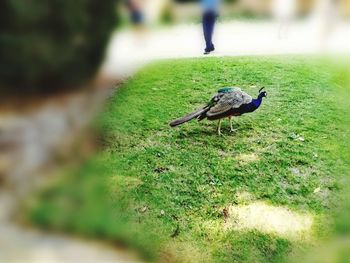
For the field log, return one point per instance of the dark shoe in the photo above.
(208, 50)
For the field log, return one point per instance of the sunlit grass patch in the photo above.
(247, 158)
(270, 219)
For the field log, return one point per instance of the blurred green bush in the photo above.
(47, 45)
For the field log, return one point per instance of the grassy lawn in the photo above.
(262, 194)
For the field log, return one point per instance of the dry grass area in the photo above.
(265, 218)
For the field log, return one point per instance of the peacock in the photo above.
(227, 103)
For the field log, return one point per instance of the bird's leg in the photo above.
(231, 122)
(219, 127)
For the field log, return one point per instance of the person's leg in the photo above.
(205, 23)
(211, 29)
(208, 28)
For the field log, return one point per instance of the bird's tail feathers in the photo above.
(188, 117)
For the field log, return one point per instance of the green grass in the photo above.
(165, 191)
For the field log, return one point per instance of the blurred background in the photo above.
(60, 61)
(171, 29)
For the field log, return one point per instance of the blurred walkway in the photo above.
(20, 245)
(34, 142)
(129, 51)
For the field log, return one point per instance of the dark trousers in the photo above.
(208, 22)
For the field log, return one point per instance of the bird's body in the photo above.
(228, 102)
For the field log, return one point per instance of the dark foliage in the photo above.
(46, 45)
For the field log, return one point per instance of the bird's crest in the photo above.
(261, 89)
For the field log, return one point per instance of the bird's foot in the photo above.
(219, 132)
(233, 130)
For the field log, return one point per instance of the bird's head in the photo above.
(262, 93)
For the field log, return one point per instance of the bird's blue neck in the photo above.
(252, 106)
(257, 102)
